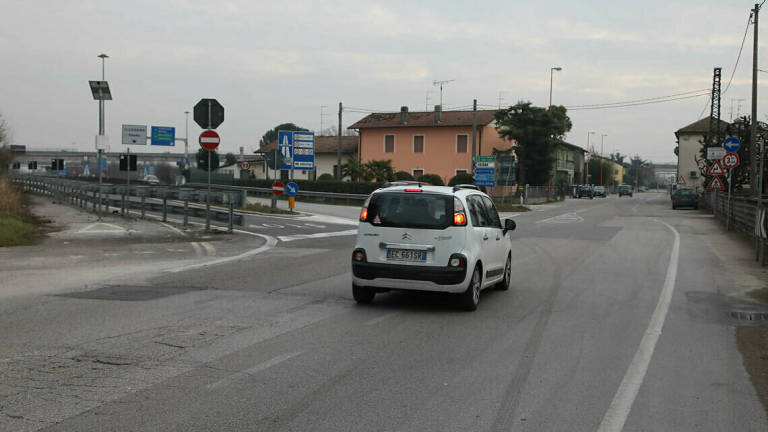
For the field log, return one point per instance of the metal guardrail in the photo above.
(141, 198)
(268, 191)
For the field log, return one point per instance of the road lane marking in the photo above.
(314, 225)
(209, 248)
(174, 229)
(197, 248)
(252, 370)
(562, 219)
(381, 318)
(270, 243)
(618, 411)
(317, 235)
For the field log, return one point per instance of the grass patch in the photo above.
(18, 225)
(510, 207)
(16, 232)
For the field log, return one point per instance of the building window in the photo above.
(418, 143)
(461, 172)
(461, 143)
(389, 143)
(418, 173)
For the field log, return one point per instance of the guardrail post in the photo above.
(165, 209)
(143, 198)
(186, 215)
(231, 214)
(122, 203)
(94, 201)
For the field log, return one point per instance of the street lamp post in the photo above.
(586, 170)
(601, 158)
(551, 75)
(99, 150)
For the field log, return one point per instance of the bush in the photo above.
(403, 175)
(432, 179)
(325, 177)
(458, 179)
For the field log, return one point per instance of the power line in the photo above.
(741, 48)
(636, 100)
(633, 104)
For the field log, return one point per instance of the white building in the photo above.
(689, 142)
(326, 157)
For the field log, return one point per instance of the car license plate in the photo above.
(406, 255)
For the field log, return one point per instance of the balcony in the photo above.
(565, 165)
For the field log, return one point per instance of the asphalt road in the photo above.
(617, 320)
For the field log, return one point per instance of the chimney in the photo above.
(438, 113)
(404, 114)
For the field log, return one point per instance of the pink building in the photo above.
(437, 142)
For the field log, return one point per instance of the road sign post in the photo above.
(291, 190)
(209, 114)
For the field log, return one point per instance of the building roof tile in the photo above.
(423, 119)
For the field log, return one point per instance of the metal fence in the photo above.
(739, 213)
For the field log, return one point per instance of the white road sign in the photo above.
(135, 134)
(715, 153)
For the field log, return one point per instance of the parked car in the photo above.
(431, 238)
(599, 191)
(685, 197)
(642, 189)
(152, 179)
(585, 191)
(625, 190)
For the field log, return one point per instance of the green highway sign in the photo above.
(484, 158)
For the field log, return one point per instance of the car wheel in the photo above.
(471, 297)
(507, 281)
(363, 295)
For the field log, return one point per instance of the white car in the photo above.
(431, 238)
(151, 179)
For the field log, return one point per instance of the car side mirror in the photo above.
(509, 225)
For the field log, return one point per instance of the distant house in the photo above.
(569, 164)
(434, 142)
(326, 148)
(689, 142)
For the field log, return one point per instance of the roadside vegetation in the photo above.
(261, 208)
(18, 226)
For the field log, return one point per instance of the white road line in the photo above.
(381, 318)
(174, 229)
(197, 248)
(317, 235)
(255, 226)
(209, 248)
(295, 226)
(271, 242)
(563, 218)
(618, 411)
(252, 370)
(315, 225)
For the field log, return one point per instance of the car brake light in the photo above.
(363, 214)
(413, 190)
(457, 261)
(459, 219)
(359, 255)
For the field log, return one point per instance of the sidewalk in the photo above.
(82, 251)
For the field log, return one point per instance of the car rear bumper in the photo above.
(400, 276)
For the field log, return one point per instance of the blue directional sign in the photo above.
(484, 176)
(731, 144)
(285, 147)
(291, 189)
(303, 150)
(163, 136)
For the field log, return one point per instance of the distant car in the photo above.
(642, 189)
(599, 191)
(685, 197)
(625, 190)
(151, 179)
(585, 191)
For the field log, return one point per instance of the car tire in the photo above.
(471, 297)
(505, 283)
(363, 295)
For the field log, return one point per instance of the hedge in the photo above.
(318, 186)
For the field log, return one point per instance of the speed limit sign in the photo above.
(731, 160)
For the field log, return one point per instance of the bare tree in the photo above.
(6, 155)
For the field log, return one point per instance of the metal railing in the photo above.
(163, 199)
(348, 197)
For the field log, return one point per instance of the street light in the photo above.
(601, 157)
(186, 136)
(586, 168)
(99, 150)
(551, 74)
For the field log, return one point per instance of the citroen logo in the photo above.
(407, 236)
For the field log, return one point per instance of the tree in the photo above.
(458, 179)
(6, 155)
(202, 159)
(618, 157)
(595, 166)
(536, 131)
(354, 170)
(380, 170)
(638, 173)
(230, 159)
(432, 179)
(271, 134)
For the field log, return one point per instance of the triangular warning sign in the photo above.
(716, 168)
(680, 180)
(715, 184)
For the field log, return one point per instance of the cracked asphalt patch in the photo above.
(130, 292)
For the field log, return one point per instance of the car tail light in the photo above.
(359, 256)
(459, 219)
(413, 190)
(363, 214)
(457, 261)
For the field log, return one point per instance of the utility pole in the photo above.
(474, 135)
(601, 158)
(338, 148)
(758, 178)
(99, 150)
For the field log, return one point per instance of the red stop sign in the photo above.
(209, 139)
(278, 188)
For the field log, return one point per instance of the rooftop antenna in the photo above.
(500, 98)
(426, 101)
(440, 84)
(322, 115)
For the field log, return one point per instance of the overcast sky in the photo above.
(270, 62)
